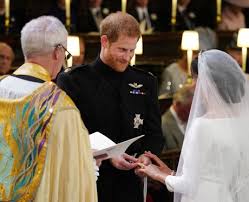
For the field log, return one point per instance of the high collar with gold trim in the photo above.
(34, 70)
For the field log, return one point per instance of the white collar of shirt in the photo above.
(95, 10)
(96, 18)
(181, 8)
(141, 12)
(180, 124)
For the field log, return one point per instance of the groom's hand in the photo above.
(124, 162)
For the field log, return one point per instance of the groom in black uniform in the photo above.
(120, 102)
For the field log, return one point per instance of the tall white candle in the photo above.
(218, 7)
(7, 12)
(124, 3)
(173, 12)
(68, 12)
(244, 57)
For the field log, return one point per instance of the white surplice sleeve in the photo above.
(68, 172)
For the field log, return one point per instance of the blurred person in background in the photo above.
(174, 120)
(92, 16)
(233, 18)
(58, 9)
(6, 58)
(16, 19)
(143, 12)
(176, 74)
(185, 18)
(235, 51)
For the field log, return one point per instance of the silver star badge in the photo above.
(138, 121)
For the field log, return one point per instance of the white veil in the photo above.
(222, 93)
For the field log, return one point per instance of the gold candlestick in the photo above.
(218, 11)
(173, 12)
(189, 61)
(68, 13)
(7, 14)
(124, 3)
(244, 57)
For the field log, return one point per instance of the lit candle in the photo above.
(7, 12)
(190, 42)
(243, 42)
(133, 60)
(70, 62)
(173, 12)
(68, 14)
(139, 47)
(244, 57)
(124, 2)
(218, 7)
(73, 45)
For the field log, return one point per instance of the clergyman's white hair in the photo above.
(40, 36)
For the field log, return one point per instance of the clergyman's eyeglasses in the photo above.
(68, 54)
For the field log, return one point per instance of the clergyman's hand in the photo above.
(124, 162)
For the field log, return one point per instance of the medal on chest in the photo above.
(136, 88)
(138, 121)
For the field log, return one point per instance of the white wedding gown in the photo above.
(221, 147)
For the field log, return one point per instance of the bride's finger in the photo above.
(154, 158)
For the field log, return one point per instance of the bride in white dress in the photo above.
(214, 162)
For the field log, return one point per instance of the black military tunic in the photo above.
(121, 105)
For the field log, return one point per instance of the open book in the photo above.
(106, 148)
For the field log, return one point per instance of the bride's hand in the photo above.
(158, 162)
(157, 171)
(153, 172)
